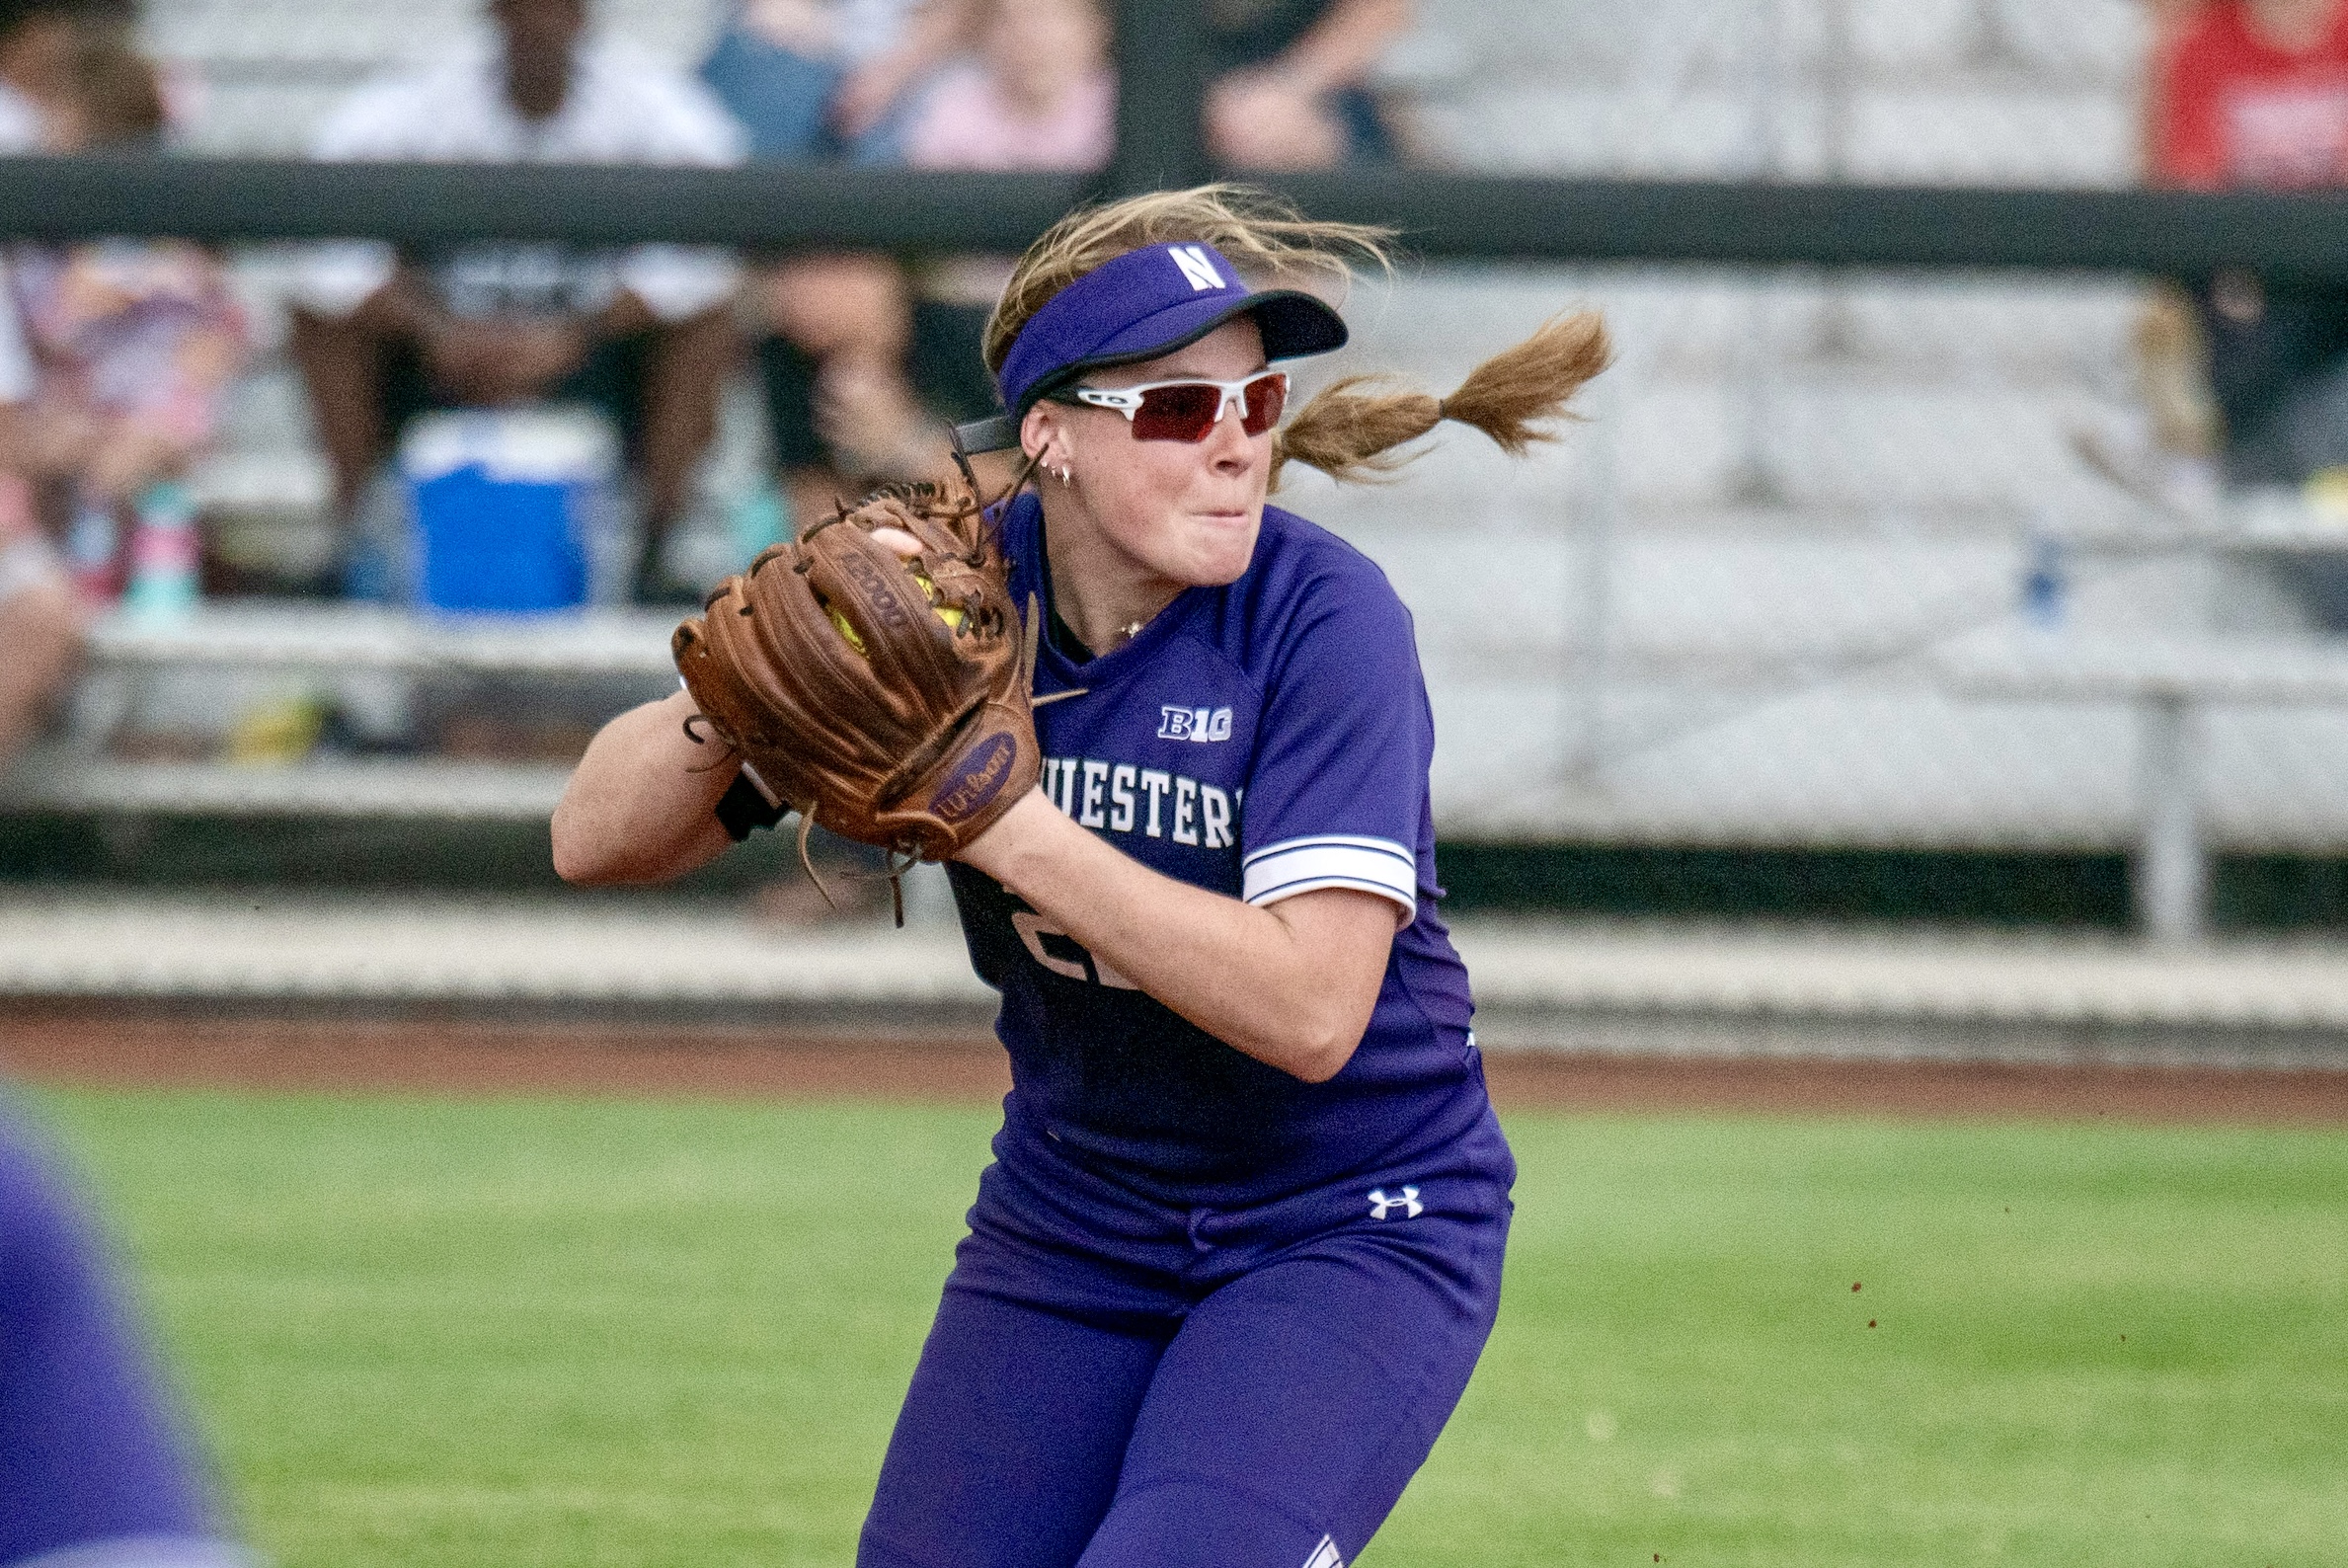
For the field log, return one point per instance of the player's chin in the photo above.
(1218, 545)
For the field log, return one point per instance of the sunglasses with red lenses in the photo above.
(1187, 411)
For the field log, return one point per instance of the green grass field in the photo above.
(536, 1332)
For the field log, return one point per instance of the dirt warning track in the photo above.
(88, 1044)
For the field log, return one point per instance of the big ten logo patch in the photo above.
(1119, 798)
(1193, 724)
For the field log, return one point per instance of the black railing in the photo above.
(1161, 142)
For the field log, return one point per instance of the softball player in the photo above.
(1240, 1245)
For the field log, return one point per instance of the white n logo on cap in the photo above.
(1196, 267)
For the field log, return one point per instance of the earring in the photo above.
(1062, 473)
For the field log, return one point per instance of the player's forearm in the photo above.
(1295, 995)
(640, 806)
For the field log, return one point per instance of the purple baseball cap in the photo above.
(1142, 305)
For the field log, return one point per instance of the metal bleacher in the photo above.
(1780, 592)
(325, 646)
(269, 70)
(258, 76)
(1773, 594)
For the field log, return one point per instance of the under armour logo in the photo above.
(1381, 1207)
(1325, 1555)
(1198, 266)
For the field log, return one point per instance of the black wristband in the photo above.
(745, 808)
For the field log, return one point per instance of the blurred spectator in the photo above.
(41, 44)
(136, 340)
(832, 368)
(818, 78)
(2255, 93)
(93, 1470)
(645, 335)
(988, 84)
(813, 80)
(1039, 92)
(40, 620)
(1291, 83)
(39, 623)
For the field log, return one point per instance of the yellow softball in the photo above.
(951, 614)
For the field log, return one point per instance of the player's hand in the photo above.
(875, 672)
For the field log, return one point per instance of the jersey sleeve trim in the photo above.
(1307, 865)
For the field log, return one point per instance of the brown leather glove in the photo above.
(885, 698)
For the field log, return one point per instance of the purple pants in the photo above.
(92, 1473)
(1117, 1384)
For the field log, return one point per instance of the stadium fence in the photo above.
(1842, 561)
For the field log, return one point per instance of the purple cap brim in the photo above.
(1293, 324)
(1150, 302)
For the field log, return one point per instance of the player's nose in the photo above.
(1229, 448)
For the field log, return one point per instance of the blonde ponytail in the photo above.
(1350, 432)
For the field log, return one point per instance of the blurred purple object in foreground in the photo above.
(94, 1473)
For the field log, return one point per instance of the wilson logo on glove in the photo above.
(981, 782)
(883, 602)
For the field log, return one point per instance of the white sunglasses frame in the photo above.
(1126, 400)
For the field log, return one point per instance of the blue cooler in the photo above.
(502, 502)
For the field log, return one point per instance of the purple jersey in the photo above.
(1262, 739)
